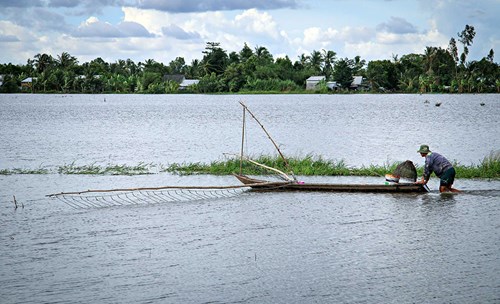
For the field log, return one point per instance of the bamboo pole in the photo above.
(267, 133)
(242, 141)
(266, 167)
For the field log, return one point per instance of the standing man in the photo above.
(435, 162)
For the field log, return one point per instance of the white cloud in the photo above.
(195, 29)
(152, 20)
(312, 35)
(18, 44)
(178, 33)
(93, 27)
(255, 22)
(139, 34)
(187, 6)
(397, 25)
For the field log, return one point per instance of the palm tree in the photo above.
(429, 55)
(263, 55)
(66, 61)
(328, 58)
(315, 61)
(42, 62)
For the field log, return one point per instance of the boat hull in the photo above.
(262, 185)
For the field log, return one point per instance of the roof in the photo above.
(357, 80)
(174, 77)
(316, 78)
(29, 79)
(332, 84)
(188, 82)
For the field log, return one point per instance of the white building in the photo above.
(312, 81)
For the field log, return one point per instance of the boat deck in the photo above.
(262, 185)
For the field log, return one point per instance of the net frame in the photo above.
(141, 196)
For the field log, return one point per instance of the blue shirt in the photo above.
(437, 163)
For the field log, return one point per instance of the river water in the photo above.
(253, 247)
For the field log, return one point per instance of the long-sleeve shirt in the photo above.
(435, 162)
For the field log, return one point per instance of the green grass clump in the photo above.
(23, 171)
(214, 168)
(94, 169)
(309, 165)
(312, 165)
(489, 167)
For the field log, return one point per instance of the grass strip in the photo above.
(24, 171)
(489, 167)
(309, 165)
(141, 168)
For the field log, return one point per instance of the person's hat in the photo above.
(424, 149)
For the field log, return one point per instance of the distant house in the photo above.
(81, 77)
(174, 77)
(358, 83)
(187, 82)
(181, 80)
(333, 85)
(27, 83)
(312, 81)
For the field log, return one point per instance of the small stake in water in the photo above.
(15, 202)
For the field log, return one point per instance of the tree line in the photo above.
(256, 70)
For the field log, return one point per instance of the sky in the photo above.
(164, 30)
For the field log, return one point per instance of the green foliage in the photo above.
(436, 70)
(271, 85)
(211, 84)
(309, 165)
(489, 167)
(171, 87)
(342, 72)
(317, 166)
(382, 74)
(23, 171)
(94, 169)
(215, 59)
(322, 87)
(10, 85)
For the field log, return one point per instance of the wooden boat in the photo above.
(291, 184)
(263, 186)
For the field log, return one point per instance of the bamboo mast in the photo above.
(242, 141)
(268, 135)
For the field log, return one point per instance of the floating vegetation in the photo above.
(309, 165)
(24, 171)
(94, 169)
(489, 167)
(317, 166)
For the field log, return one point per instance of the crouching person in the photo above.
(435, 162)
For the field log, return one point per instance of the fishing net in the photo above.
(138, 196)
(406, 170)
